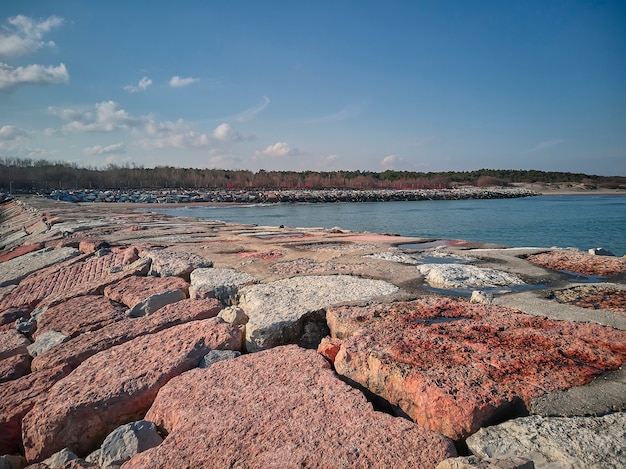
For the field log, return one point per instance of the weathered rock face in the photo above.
(20, 251)
(576, 442)
(578, 262)
(453, 366)
(291, 310)
(12, 343)
(14, 270)
(593, 297)
(19, 396)
(14, 367)
(466, 276)
(174, 264)
(474, 462)
(45, 342)
(222, 284)
(144, 295)
(73, 352)
(12, 314)
(293, 412)
(80, 314)
(117, 386)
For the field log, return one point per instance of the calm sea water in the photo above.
(582, 222)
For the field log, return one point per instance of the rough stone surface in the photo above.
(12, 314)
(16, 398)
(474, 462)
(118, 385)
(551, 442)
(12, 461)
(593, 297)
(233, 315)
(137, 291)
(292, 412)
(174, 264)
(481, 297)
(124, 442)
(12, 343)
(59, 458)
(84, 346)
(291, 310)
(79, 315)
(453, 366)
(222, 284)
(215, 356)
(14, 270)
(14, 367)
(45, 342)
(578, 262)
(19, 251)
(466, 276)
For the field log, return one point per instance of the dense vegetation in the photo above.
(26, 175)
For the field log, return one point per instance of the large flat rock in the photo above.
(223, 284)
(280, 408)
(165, 263)
(292, 310)
(117, 386)
(144, 295)
(73, 352)
(453, 366)
(12, 343)
(466, 276)
(14, 270)
(579, 262)
(557, 442)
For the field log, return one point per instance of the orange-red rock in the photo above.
(453, 366)
(16, 398)
(19, 251)
(581, 263)
(282, 407)
(73, 352)
(14, 367)
(133, 290)
(118, 386)
(80, 314)
(12, 343)
(12, 314)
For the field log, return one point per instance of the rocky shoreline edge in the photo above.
(133, 339)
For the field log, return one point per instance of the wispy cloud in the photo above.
(143, 85)
(10, 77)
(252, 112)
(10, 132)
(25, 35)
(178, 82)
(351, 110)
(546, 144)
(390, 161)
(114, 149)
(277, 150)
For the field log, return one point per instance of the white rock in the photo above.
(466, 276)
(481, 297)
(223, 284)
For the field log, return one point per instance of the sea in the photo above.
(583, 222)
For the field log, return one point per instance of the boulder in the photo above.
(454, 367)
(73, 352)
(223, 284)
(79, 315)
(45, 342)
(234, 315)
(118, 385)
(215, 356)
(12, 461)
(16, 398)
(466, 276)
(12, 343)
(144, 295)
(12, 314)
(580, 263)
(124, 442)
(14, 367)
(282, 407)
(481, 297)
(58, 459)
(474, 462)
(600, 252)
(174, 264)
(574, 442)
(14, 270)
(292, 310)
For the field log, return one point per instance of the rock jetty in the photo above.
(131, 339)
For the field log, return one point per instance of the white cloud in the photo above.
(25, 35)
(178, 82)
(143, 85)
(114, 149)
(251, 113)
(546, 144)
(389, 161)
(223, 160)
(10, 77)
(226, 133)
(10, 132)
(177, 134)
(107, 118)
(278, 150)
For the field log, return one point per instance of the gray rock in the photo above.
(9, 461)
(124, 442)
(12, 343)
(26, 326)
(474, 462)
(215, 356)
(166, 263)
(466, 276)
(223, 284)
(557, 442)
(292, 310)
(58, 459)
(395, 256)
(600, 252)
(14, 270)
(154, 302)
(45, 342)
(481, 297)
(234, 315)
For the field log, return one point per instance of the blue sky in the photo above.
(316, 85)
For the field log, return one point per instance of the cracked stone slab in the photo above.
(466, 276)
(14, 270)
(223, 284)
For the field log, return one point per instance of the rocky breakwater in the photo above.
(163, 342)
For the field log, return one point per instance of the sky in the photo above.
(415, 85)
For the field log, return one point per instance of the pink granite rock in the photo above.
(575, 261)
(117, 386)
(453, 366)
(80, 314)
(73, 352)
(282, 407)
(12, 343)
(14, 367)
(12, 314)
(146, 294)
(17, 397)
(167, 263)
(19, 251)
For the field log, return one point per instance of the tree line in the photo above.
(27, 175)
